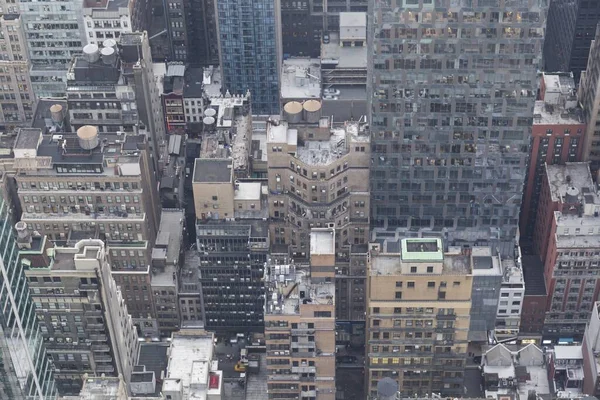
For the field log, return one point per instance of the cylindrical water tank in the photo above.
(292, 112)
(109, 55)
(56, 113)
(312, 111)
(572, 195)
(21, 228)
(112, 43)
(387, 389)
(88, 137)
(209, 121)
(91, 53)
(210, 112)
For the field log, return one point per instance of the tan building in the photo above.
(82, 314)
(300, 323)
(318, 177)
(94, 185)
(419, 303)
(18, 100)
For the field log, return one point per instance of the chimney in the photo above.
(23, 235)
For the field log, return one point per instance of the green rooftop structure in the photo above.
(422, 249)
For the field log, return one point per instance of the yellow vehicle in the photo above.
(239, 367)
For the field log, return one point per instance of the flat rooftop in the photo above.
(212, 171)
(191, 364)
(28, 139)
(422, 250)
(549, 114)
(345, 57)
(322, 241)
(301, 78)
(290, 286)
(170, 233)
(568, 353)
(108, 5)
(533, 275)
(103, 388)
(248, 191)
(564, 178)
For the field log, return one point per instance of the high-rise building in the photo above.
(233, 244)
(99, 186)
(25, 370)
(451, 93)
(418, 313)
(249, 37)
(300, 323)
(571, 27)
(54, 34)
(81, 311)
(557, 137)
(318, 177)
(567, 236)
(17, 100)
(108, 19)
(201, 32)
(589, 97)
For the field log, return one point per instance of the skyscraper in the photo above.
(571, 29)
(452, 91)
(249, 35)
(25, 372)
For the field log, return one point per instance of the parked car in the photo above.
(346, 359)
(333, 92)
(330, 97)
(326, 38)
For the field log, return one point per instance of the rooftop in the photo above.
(248, 191)
(353, 19)
(28, 139)
(343, 56)
(97, 153)
(193, 83)
(290, 286)
(549, 114)
(212, 171)
(568, 353)
(108, 5)
(103, 388)
(301, 78)
(42, 117)
(322, 241)
(170, 233)
(191, 369)
(422, 250)
(568, 181)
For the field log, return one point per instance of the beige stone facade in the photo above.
(419, 303)
(300, 324)
(318, 176)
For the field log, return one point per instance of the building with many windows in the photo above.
(588, 96)
(250, 55)
(418, 316)
(81, 311)
(100, 186)
(567, 237)
(557, 137)
(452, 92)
(318, 177)
(54, 33)
(25, 371)
(108, 19)
(300, 323)
(571, 27)
(17, 101)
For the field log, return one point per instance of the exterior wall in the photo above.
(550, 144)
(510, 308)
(589, 97)
(18, 99)
(205, 203)
(484, 306)
(402, 329)
(571, 27)
(100, 24)
(543, 219)
(424, 139)
(241, 68)
(177, 29)
(26, 370)
(533, 314)
(174, 113)
(54, 34)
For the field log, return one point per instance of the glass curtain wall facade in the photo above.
(25, 371)
(54, 33)
(249, 33)
(452, 89)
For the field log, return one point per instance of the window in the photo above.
(504, 295)
(399, 284)
(430, 269)
(397, 310)
(413, 270)
(410, 285)
(398, 295)
(376, 310)
(215, 198)
(376, 322)
(441, 295)
(322, 314)
(431, 284)
(456, 283)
